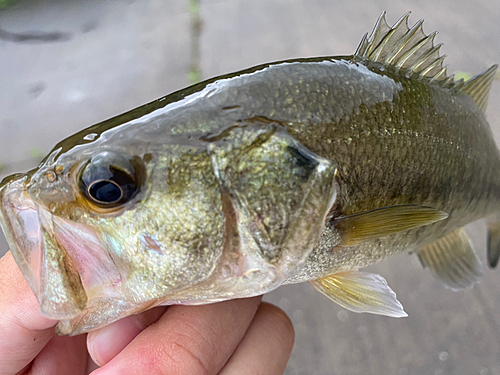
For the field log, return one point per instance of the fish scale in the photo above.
(292, 171)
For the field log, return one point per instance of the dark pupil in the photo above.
(108, 185)
(105, 191)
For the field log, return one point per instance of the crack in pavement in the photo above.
(35, 36)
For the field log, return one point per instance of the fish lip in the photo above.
(45, 265)
(21, 226)
(65, 263)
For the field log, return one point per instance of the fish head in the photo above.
(110, 220)
(119, 224)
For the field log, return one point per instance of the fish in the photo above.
(303, 170)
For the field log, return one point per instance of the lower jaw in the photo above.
(20, 224)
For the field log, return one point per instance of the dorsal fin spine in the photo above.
(438, 74)
(458, 85)
(449, 80)
(402, 43)
(381, 23)
(402, 47)
(412, 51)
(389, 35)
(377, 30)
(425, 57)
(362, 45)
(432, 66)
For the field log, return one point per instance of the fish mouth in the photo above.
(63, 262)
(19, 221)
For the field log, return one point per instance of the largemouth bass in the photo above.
(294, 171)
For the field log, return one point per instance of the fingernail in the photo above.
(105, 343)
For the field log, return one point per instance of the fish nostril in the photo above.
(51, 176)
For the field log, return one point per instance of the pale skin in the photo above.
(244, 336)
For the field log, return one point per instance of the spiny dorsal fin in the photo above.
(404, 48)
(478, 88)
(452, 260)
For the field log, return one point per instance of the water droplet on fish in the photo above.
(211, 93)
(342, 316)
(250, 274)
(90, 137)
(225, 271)
(151, 243)
(443, 356)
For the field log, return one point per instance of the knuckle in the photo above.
(190, 360)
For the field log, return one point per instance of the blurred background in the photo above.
(67, 64)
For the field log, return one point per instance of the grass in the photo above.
(194, 73)
(5, 3)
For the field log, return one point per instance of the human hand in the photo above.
(28, 343)
(234, 337)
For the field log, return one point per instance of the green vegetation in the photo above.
(465, 75)
(194, 6)
(36, 153)
(194, 75)
(194, 72)
(5, 3)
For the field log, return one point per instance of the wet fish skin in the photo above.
(172, 234)
(240, 182)
(427, 146)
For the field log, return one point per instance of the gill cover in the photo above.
(280, 190)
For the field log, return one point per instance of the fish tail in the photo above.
(493, 241)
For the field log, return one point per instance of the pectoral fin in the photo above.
(361, 292)
(452, 260)
(384, 221)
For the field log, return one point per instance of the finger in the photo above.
(187, 340)
(266, 347)
(62, 356)
(105, 343)
(23, 330)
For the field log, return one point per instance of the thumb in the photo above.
(23, 330)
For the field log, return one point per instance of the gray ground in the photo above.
(67, 64)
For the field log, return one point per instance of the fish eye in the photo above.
(109, 180)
